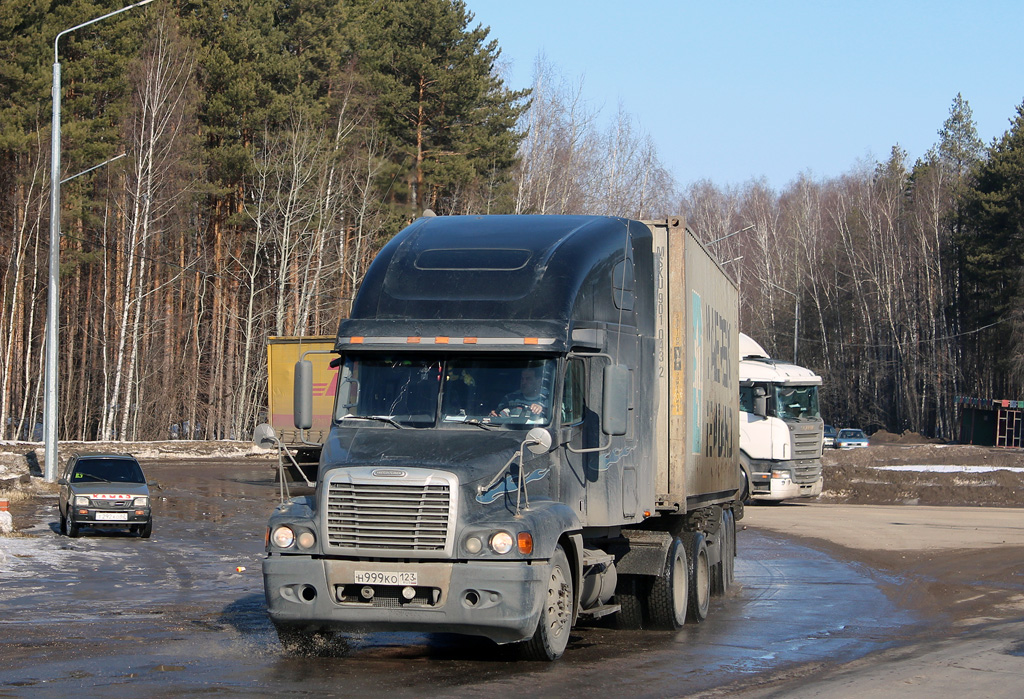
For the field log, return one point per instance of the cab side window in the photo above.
(573, 392)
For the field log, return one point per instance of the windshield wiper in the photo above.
(376, 418)
(481, 425)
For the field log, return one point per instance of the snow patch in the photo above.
(947, 468)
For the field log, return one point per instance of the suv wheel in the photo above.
(70, 526)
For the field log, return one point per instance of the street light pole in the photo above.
(53, 290)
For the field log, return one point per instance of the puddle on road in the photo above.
(203, 621)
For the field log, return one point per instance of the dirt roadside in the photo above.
(947, 545)
(867, 477)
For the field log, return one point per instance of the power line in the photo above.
(919, 342)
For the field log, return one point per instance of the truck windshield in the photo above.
(424, 389)
(793, 402)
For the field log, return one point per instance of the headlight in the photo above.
(306, 540)
(781, 474)
(282, 537)
(142, 502)
(473, 544)
(501, 542)
(81, 501)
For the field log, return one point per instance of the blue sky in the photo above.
(736, 90)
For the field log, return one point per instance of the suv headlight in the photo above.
(81, 501)
(142, 502)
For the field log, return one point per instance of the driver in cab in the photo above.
(527, 400)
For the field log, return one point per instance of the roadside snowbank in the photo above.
(23, 462)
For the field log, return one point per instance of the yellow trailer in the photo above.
(282, 354)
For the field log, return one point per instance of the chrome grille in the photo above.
(390, 516)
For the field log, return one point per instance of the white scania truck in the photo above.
(535, 422)
(781, 428)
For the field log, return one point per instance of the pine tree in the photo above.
(993, 254)
(449, 116)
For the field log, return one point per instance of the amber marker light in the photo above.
(525, 542)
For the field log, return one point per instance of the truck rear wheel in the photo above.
(631, 595)
(729, 557)
(722, 573)
(552, 635)
(699, 577)
(670, 591)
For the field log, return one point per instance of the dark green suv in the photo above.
(103, 491)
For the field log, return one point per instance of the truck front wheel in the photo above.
(552, 635)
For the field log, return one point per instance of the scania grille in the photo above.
(806, 445)
(390, 516)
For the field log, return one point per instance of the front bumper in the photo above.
(786, 489)
(495, 599)
(103, 517)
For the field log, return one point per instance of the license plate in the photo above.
(111, 516)
(374, 577)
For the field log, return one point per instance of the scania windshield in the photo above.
(796, 402)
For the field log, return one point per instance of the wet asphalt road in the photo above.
(117, 616)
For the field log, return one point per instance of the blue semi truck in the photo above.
(536, 421)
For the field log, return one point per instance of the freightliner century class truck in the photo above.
(535, 422)
(781, 429)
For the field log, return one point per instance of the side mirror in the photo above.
(62, 481)
(264, 436)
(538, 440)
(303, 408)
(760, 403)
(615, 400)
